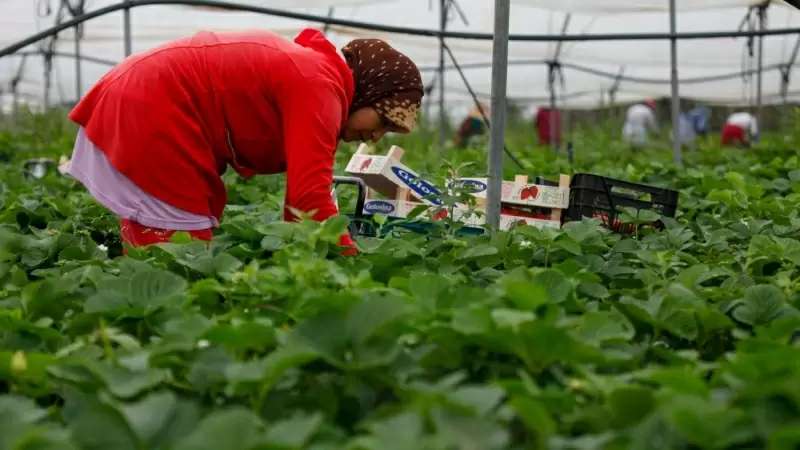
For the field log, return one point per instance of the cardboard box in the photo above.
(401, 186)
(507, 221)
(519, 193)
(400, 209)
(386, 175)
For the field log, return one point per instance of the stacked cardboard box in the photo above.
(521, 202)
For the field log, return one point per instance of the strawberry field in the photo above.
(572, 339)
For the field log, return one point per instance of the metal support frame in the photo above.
(78, 69)
(609, 75)
(222, 4)
(77, 11)
(443, 8)
(444, 18)
(614, 88)
(14, 88)
(676, 100)
(786, 73)
(126, 28)
(47, 48)
(478, 104)
(553, 72)
(48, 76)
(762, 25)
(327, 26)
(502, 17)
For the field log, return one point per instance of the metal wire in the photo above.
(478, 105)
(387, 28)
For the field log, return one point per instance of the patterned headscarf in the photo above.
(386, 80)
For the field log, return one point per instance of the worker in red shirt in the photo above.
(158, 131)
(547, 126)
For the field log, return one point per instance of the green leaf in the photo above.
(256, 335)
(478, 251)
(155, 286)
(711, 426)
(101, 427)
(469, 433)
(472, 321)
(271, 368)
(536, 417)
(225, 429)
(525, 295)
(555, 283)
(427, 288)
(480, 399)
(676, 379)
(511, 318)
(761, 305)
(160, 419)
(399, 432)
(181, 237)
(373, 313)
(294, 432)
(601, 326)
(18, 410)
(125, 383)
(630, 404)
(594, 290)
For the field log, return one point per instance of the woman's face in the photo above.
(366, 124)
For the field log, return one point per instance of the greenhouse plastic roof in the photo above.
(588, 67)
(627, 6)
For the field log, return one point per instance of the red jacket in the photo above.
(173, 118)
(544, 120)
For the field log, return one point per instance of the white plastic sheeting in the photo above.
(626, 6)
(646, 61)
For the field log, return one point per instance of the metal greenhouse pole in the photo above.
(78, 11)
(786, 74)
(502, 17)
(762, 25)
(554, 70)
(612, 93)
(443, 4)
(327, 26)
(126, 25)
(676, 99)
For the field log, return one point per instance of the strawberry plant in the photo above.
(579, 338)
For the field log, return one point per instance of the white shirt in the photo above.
(744, 120)
(637, 121)
(640, 117)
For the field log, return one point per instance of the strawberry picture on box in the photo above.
(530, 192)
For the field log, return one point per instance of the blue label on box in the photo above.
(379, 206)
(420, 187)
(468, 186)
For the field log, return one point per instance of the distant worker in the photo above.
(548, 125)
(639, 119)
(740, 130)
(699, 117)
(687, 134)
(473, 125)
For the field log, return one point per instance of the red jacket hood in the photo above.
(314, 39)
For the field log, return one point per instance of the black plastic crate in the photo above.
(543, 182)
(599, 197)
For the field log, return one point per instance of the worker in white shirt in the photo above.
(639, 119)
(740, 129)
